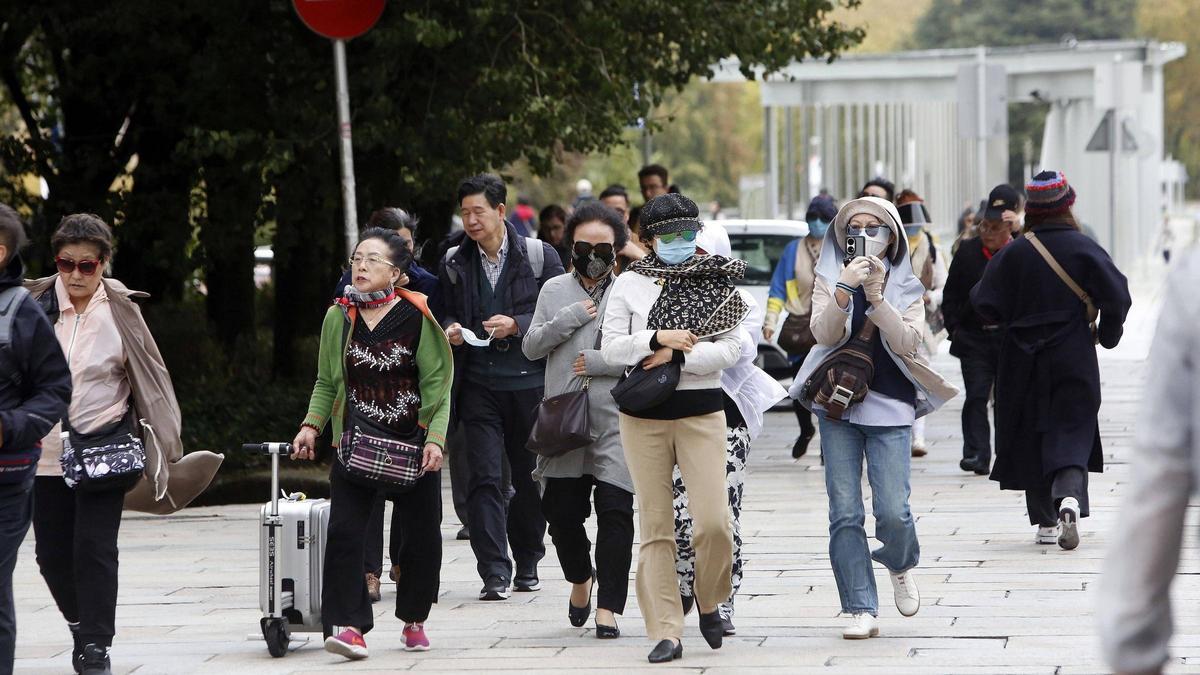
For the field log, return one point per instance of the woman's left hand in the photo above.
(658, 358)
(873, 286)
(433, 457)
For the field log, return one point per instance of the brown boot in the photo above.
(394, 573)
(373, 587)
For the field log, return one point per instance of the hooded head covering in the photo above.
(903, 286)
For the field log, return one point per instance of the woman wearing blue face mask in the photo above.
(674, 306)
(791, 290)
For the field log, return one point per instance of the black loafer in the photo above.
(712, 628)
(688, 601)
(666, 651)
(463, 534)
(801, 445)
(608, 632)
(527, 582)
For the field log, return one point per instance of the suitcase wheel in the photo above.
(275, 632)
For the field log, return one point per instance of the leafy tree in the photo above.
(1176, 20)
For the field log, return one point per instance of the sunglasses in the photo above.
(583, 248)
(688, 235)
(871, 229)
(86, 267)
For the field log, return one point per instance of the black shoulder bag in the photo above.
(563, 423)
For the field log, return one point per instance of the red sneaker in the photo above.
(414, 638)
(348, 643)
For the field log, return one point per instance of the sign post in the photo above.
(341, 20)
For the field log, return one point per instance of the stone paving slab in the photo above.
(992, 601)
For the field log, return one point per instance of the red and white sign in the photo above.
(339, 19)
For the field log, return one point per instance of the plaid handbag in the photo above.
(380, 463)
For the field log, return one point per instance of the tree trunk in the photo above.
(233, 187)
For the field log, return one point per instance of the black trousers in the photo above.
(980, 357)
(497, 425)
(76, 552)
(373, 556)
(16, 509)
(567, 504)
(1071, 481)
(803, 416)
(344, 599)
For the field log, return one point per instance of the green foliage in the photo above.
(1177, 20)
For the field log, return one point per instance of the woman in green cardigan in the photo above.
(386, 365)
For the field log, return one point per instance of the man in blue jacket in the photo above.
(490, 285)
(35, 389)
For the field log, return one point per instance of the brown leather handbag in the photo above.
(796, 336)
(843, 378)
(562, 423)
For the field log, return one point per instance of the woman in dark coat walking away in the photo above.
(1048, 382)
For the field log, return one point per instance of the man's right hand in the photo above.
(683, 340)
(454, 334)
(768, 332)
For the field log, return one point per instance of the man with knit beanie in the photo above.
(1056, 293)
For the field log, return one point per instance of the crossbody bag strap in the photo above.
(1062, 274)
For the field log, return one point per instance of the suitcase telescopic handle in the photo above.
(275, 450)
(268, 448)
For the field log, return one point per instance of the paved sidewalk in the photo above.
(992, 601)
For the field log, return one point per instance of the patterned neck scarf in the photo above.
(366, 300)
(596, 293)
(698, 295)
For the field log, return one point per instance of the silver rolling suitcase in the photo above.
(291, 559)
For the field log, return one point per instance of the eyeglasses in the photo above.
(688, 235)
(870, 229)
(583, 248)
(373, 260)
(86, 267)
(993, 226)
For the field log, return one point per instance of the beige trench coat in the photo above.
(171, 479)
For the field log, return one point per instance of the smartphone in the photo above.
(855, 247)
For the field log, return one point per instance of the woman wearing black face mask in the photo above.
(566, 331)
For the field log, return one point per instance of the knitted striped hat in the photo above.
(1049, 193)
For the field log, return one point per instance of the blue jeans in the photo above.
(16, 510)
(887, 450)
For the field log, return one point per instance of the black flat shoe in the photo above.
(666, 651)
(579, 615)
(801, 446)
(712, 628)
(607, 632)
(688, 601)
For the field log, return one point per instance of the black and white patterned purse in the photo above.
(112, 458)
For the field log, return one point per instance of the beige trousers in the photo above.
(652, 449)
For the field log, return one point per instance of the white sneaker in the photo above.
(1068, 521)
(908, 598)
(919, 448)
(862, 626)
(1047, 535)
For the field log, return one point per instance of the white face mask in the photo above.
(878, 244)
(470, 338)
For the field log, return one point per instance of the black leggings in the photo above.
(803, 416)
(76, 552)
(344, 599)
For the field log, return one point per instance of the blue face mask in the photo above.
(817, 228)
(913, 230)
(676, 251)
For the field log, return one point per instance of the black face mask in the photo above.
(593, 262)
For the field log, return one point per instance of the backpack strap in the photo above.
(1062, 274)
(932, 247)
(450, 271)
(537, 256)
(10, 301)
